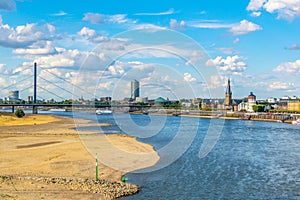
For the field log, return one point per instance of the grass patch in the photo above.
(7, 196)
(8, 119)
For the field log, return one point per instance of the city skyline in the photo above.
(135, 92)
(255, 43)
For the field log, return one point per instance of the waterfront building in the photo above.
(294, 105)
(228, 103)
(251, 102)
(13, 95)
(283, 103)
(135, 89)
(243, 106)
(246, 104)
(272, 100)
(105, 99)
(285, 98)
(30, 98)
(160, 101)
(213, 104)
(141, 99)
(294, 98)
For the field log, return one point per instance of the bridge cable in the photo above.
(13, 84)
(51, 93)
(72, 84)
(59, 86)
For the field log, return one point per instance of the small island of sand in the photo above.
(43, 157)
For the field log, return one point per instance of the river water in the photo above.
(251, 160)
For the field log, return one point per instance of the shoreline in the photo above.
(223, 117)
(53, 150)
(55, 138)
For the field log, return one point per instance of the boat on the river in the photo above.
(57, 110)
(296, 122)
(99, 112)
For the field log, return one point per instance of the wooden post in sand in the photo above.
(97, 176)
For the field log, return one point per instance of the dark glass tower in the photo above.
(135, 89)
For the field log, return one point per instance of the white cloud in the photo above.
(94, 18)
(148, 27)
(4, 69)
(230, 64)
(255, 14)
(71, 59)
(50, 28)
(286, 9)
(87, 32)
(135, 63)
(237, 40)
(294, 47)
(177, 25)
(116, 70)
(188, 77)
(117, 19)
(8, 5)
(92, 35)
(226, 50)
(2, 81)
(60, 13)
(108, 85)
(277, 85)
(38, 48)
(24, 69)
(244, 27)
(289, 67)
(129, 70)
(24, 35)
(97, 18)
(168, 12)
(213, 82)
(209, 24)
(255, 4)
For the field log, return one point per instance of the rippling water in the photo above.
(251, 160)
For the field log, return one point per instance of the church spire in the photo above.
(228, 94)
(228, 89)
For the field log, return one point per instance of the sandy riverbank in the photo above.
(53, 149)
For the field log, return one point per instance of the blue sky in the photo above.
(254, 42)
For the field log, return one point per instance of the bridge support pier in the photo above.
(13, 109)
(34, 110)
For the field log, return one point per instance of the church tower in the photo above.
(228, 95)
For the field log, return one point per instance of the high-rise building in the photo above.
(30, 98)
(13, 95)
(135, 89)
(228, 95)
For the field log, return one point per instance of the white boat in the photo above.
(99, 112)
(296, 122)
(58, 110)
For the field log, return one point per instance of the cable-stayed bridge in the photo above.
(40, 86)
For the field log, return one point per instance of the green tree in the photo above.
(19, 113)
(259, 108)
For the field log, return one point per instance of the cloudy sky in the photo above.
(175, 49)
